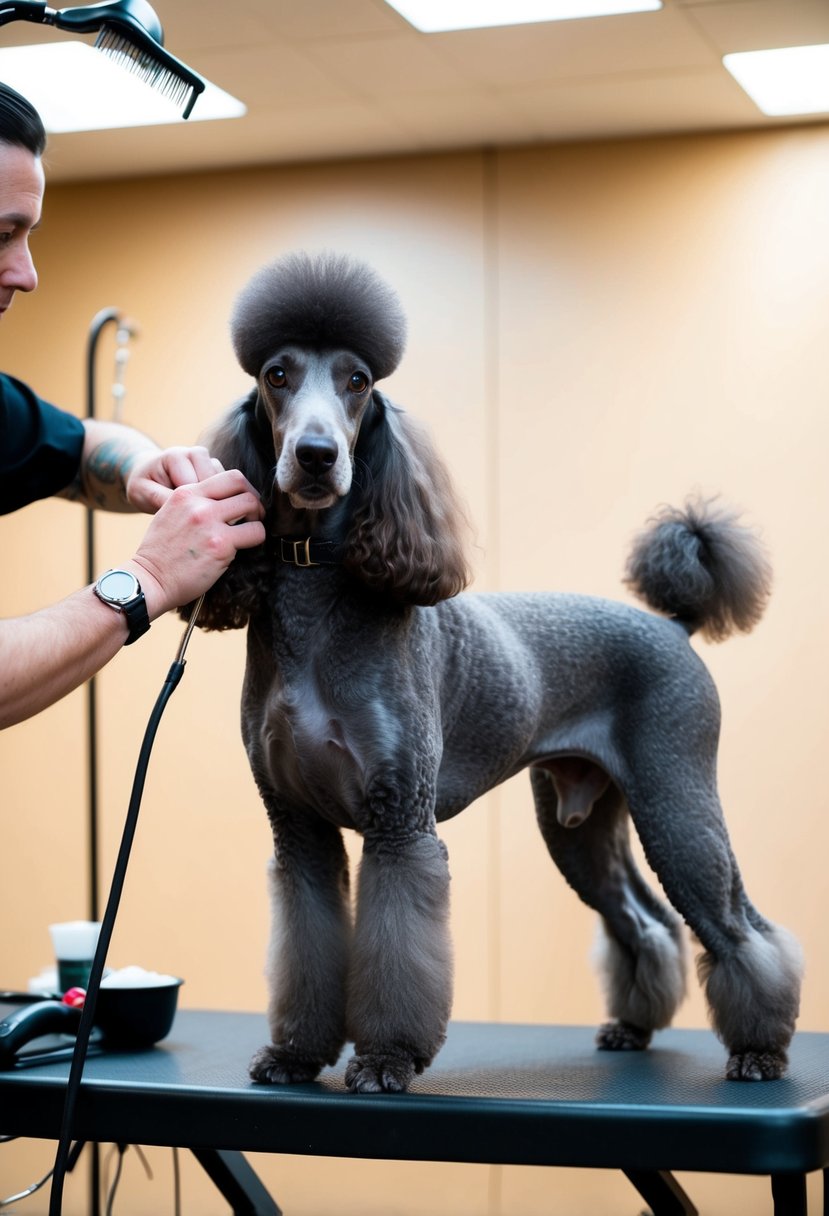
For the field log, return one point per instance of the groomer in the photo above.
(191, 540)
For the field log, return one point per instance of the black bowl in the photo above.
(136, 1016)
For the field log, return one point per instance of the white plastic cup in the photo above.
(74, 943)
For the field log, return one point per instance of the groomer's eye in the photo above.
(358, 382)
(276, 377)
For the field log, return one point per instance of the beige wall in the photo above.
(594, 329)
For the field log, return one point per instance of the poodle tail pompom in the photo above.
(701, 566)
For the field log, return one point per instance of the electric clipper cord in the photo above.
(129, 32)
(62, 1156)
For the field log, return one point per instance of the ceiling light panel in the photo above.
(433, 16)
(791, 80)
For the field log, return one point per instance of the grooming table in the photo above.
(500, 1094)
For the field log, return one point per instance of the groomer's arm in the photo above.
(190, 542)
(123, 470)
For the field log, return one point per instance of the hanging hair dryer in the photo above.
(129, 32)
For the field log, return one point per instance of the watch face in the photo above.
(119, 585)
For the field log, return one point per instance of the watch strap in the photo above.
(138, 619)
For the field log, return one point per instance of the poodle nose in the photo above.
(316, 453)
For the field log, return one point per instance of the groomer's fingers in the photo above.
(238, 498)
(145, 494)
(152, 481)
(248, 534)
(187, 466)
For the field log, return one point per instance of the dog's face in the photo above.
(315, 402)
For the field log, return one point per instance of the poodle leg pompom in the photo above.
(643, 986)
(754, 995)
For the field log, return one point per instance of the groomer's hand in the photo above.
(194, 537)
(151, 480)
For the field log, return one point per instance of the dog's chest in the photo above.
(312, 757)
(308, 736)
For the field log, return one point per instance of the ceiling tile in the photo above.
(309, 19)
(762, 24)
(193, 24)
(375, 67)
(568, 49)
(635, 105)
(270, 76)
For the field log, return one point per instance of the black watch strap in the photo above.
(138, 619)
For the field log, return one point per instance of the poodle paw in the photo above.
(622, 1036)
(275, 1065)
(380, 1072)
(756, 1065)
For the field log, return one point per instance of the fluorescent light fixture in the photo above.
(76, 88)
(432, 16)
(791, 80)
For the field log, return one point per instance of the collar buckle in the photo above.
(296, 552)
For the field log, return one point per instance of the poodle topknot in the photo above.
(324, 302)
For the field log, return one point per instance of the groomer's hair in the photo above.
(20, 122)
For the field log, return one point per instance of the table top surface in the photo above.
(519, 1094)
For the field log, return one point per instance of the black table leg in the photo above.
(789, 1192)
(661, 1192)
(237, 1181)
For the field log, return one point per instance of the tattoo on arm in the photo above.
(101, 480)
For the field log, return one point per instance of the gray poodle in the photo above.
(377, 698)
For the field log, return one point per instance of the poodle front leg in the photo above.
(400, 982)
(308, 952)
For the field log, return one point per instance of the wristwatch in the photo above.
(121, 590)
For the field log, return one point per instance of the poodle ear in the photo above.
(241, 439)
(407, 538)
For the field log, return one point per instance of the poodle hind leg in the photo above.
(751, 969)
(308, 952)
(643, 962)
(400, 983)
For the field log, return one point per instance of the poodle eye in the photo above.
(358, 382)
(276, 377)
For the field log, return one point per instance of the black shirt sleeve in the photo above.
(40, 446)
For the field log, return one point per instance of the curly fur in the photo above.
(378, 699)
(321, 303)
(701, 566)
(755, 996)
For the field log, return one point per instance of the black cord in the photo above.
(105, 936)
(122, 1148)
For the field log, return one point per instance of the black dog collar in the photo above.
(306, 551)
